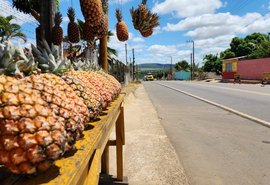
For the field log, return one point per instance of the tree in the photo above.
(182, 66)
(212, 63)
(9, 30)
(262, 51)
(227, 54)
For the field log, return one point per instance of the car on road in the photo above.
(149, 77)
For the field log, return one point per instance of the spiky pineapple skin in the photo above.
(122, 31)
(96, 98)
(57, 31)
(147, 33)
(64, 102)
(73, 29)
(92, 11)
(87, 33)
(85, 94)
(57, 35)
(31, 136)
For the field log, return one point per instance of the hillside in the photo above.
(152, 67)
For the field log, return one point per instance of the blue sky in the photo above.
(210, 23)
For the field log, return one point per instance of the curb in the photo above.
(252, 118)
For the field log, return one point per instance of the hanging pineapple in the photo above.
(92, 11)
(143, 20)
(152, 21)
(57, 31)
(87, 34)
(73, 30)
(121, 27)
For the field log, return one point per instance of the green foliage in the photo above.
(25, 6)
(227, 54)
(182, 66)
(245, 46)
(262, 51)
(9, 30)
(212, 63)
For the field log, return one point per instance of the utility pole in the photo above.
(126, 55)
(193, 56)
(171, 66)
(191, 68)
(133, 63)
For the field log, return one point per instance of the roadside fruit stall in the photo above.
(58, 111)
(82, 166)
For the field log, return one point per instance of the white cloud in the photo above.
(212, 33)
(186, 8)
(65, 19)
(6, 9)
(119, 1)
(137, 39)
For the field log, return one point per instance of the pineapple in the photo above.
(97, 100)
(82, 87)
(92, 11)
(121, 27)
(57, 31)
(143, 20)
(73, 30)
(64, 103)
(87, 34)
(85, 94)
(102, 29)
(116, 85)
(32, 136)
(147, 33)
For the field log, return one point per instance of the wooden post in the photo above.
(120, 141)
(103, 54)
(105, 161)
(47, 13)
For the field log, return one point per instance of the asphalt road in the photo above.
(214, 145)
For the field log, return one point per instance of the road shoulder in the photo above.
(149, 156)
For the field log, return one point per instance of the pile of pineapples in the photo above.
(45, 104)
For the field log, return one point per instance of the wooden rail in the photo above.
(83, 167)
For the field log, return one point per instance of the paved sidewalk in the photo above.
(149, 158)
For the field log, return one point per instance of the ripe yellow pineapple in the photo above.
(73, 29)
(100, 86)
(57, 31)
(92, 11)
(31, 135)
(121, 27)
(96, 99)
(85, 94)
(116, 85)
(63, 101)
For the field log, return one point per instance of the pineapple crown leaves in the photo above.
(144, 2)
(58, 18)
(48, 60)
(14, 62)
(118, 15)
(105, 6)
(71, 14)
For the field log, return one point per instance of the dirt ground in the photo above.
(149, 158)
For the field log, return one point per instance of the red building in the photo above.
(247, 69)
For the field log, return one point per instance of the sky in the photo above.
(211, 24)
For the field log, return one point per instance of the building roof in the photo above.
(235, 58)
